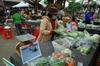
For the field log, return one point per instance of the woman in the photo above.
(74, 24)
(46, 27)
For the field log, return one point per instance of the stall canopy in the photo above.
(98, 2)
(21, 4)
(42, 3)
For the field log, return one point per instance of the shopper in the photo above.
(46, 26)
(68, 25)
(74, 24)
(88, 17)
(17, 19)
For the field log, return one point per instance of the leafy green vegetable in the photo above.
(57, 63)
(72, 34)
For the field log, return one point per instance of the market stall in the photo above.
(21, 4)
(93, 29)
(81, 46)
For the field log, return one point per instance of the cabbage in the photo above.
(72, 34)
(95, 38)
(84, 50)
(87, 35)
(81, 34)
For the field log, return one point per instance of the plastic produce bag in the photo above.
(83, 42)
(64, 42)
(60, 30)
(57, 47)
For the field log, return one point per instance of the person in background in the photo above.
(30, 15)
(61, 14)
(17, 19)
(43, 13)
(2, 17)
(22, 12)
(68, 24)
(46, 26)
(88, 17)
(74, 24)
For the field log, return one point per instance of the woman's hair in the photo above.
(49, 15)
(73, 19)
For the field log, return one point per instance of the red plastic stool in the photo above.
(1, 29)
(36, 32)
(7, 34)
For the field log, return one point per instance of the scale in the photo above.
(27, 48)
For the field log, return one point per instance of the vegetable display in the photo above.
(82, 41)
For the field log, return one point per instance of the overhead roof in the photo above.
(1, 3)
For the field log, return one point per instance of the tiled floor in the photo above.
(7, 47)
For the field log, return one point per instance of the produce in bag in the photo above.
(57, 47)
(60, 30)
(83, 42)
(64, 42)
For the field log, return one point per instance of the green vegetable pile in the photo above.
(44, 61)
